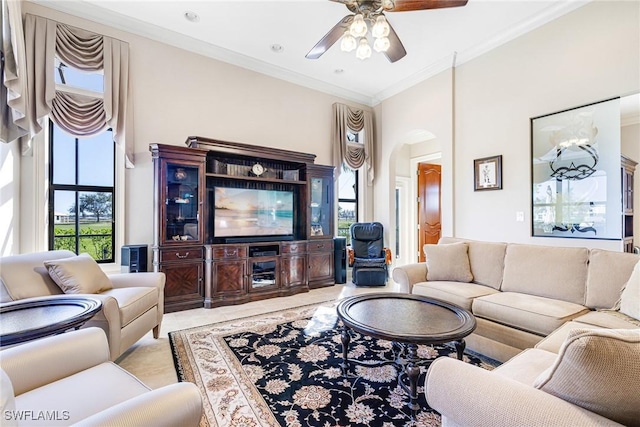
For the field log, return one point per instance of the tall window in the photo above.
(347, 196)
(81, 179)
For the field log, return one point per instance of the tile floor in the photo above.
(151, 361)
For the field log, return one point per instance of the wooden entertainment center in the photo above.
(236, 222)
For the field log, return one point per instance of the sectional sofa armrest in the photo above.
(471, 396)
(133, 280)
(40, 362)
(173, 405)
(408, 275)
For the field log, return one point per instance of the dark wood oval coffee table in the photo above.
(408, 321)
(23, 321)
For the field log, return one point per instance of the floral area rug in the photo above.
(283, 369)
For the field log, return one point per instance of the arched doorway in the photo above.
(418, 147)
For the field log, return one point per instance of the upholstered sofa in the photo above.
(521, 293)
(68, 379)
(565, 320)
(593, 380)
(132, 303)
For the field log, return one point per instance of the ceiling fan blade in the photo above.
(409, 5)
(330, 38)
(396, 50)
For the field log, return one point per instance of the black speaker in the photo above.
(133, 258)
(340, 259)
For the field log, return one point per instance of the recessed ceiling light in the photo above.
(277, 48)
(191, 16)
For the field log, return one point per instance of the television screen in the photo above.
(243, 212)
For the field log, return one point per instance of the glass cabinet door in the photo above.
(321, 215)
(182, 215)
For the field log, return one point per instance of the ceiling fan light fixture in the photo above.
(358, 27)
(381, 44)
(348, 42)
(380, 28)
(364, 50)
(388, 4)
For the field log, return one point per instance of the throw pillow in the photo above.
(598, 370)
(448, 262)
(78, 275)
(630, 296)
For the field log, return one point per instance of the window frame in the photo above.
(79, 188)
(355, 201)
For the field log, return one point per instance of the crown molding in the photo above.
(90, 12)
(554, 12)
(99, 15)
(633, 119)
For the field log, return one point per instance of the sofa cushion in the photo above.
(527, 365)
(133, 302)
(598, 370)
(486, 260)
(608, 273)
(78, 275)
(458, 293)
(630, 297)
(18, 270)
(545, 271)
(530, 313)
(608, 319)
(448, 262)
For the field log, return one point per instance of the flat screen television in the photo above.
(244, 214)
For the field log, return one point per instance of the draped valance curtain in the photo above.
(13, 70)
(353, 154)
(78, 114)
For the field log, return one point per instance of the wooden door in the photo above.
(429, 227)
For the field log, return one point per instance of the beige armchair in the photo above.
(131, 308)
(69, 380)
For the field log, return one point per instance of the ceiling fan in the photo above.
(370, 14)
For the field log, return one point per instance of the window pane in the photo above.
(346, 184)
(64, 157)
(64, 228)
(93, 81)
(95, 160)
(95, 208)
(95, 224)
(346, 217)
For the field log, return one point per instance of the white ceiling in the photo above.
(242, 32)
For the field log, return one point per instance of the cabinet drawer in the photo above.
(179, 254)
(321, 246)
(294, 247)
(230, 252)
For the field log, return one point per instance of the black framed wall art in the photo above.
(487, 173)
(575, 172)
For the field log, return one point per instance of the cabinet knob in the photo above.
(186, 254)
(230, 253)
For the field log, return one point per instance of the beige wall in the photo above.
(426, 107)
(178, 93)
(588, 55)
